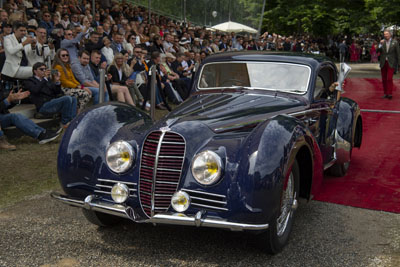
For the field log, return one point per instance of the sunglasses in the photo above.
(68, 34)
(64, 55)
(42, 69)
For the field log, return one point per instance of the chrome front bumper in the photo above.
(95, 204)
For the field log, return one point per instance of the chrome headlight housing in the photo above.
(207, 167)
(120, 156)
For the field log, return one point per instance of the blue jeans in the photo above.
(22, 123)
(65, 104)
(95, 94)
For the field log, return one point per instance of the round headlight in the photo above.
(120, 156)
(119, 193)
(207, 167)
(180, 201)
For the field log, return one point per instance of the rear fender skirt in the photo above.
(349, 112)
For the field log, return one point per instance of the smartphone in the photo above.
(32, 34)
(54, 72)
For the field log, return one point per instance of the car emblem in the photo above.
(165, 129)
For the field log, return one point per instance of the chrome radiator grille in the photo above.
(204, 200)
(160, 170)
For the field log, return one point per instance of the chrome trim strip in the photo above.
(102, 192)
(165, 169)
(91, 203)
(201, 192)
(162, 182)
(209, 200)
(147, 167)
(163, 195)
(153, 186)
(380, 111)
(112, 181)
(172, 157)
(147, 154)
(305, 112)
(109, 193)
(209, 207)
(173, 143)
(106, 186)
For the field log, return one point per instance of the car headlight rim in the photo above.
(207, 167)
(120, 156)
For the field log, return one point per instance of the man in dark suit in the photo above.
(47, 95)
(390, 56)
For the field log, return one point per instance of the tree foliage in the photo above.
(326, 17)
(316, 17)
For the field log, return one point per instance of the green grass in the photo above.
(31, 169)
(28, 171)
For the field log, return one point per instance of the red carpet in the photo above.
(373, 180)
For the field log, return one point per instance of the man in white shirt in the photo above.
(167, 44)
(43, 50)
(16, 64)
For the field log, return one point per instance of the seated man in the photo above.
(47, 95)
(83, 73)
(22, 123)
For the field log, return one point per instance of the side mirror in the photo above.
(344, 71)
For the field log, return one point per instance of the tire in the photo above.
(101, 219)
(277, 235)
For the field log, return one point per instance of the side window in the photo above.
(319, 88)
(324, 80)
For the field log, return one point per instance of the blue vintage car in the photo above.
(257, 133)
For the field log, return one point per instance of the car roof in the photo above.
(291, 57)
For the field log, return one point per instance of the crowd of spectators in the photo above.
(120, 38)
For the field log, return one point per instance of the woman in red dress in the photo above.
(353, 52)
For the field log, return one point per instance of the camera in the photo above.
(50, 40)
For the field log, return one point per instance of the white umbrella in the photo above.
(231, 26)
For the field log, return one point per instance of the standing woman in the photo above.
(69, 85)
(373, 52)
(353, 52)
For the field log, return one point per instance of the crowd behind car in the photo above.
(120, 38)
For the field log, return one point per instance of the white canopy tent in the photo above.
(231, 26)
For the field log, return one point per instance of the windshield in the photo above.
(293, 78)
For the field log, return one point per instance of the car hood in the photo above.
(223, 112)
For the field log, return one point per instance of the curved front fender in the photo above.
(271, 150)
(81, 155)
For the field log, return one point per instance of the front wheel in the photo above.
(100, 219)
(280, 226)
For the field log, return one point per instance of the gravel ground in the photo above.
(44, 232)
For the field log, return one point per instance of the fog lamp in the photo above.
(120, 193)
(180, 201)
